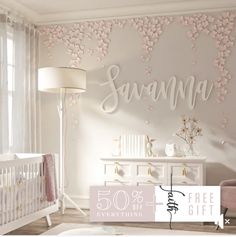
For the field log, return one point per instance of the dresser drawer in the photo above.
(151, 171)
(117, 169)
(185, 174)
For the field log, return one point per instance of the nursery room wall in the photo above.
(196, 50)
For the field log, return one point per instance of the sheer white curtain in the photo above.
(18, 80)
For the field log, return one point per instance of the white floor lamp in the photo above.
(62, 80)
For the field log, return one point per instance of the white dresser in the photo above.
(154, 171)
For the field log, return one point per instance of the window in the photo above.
(18, 102)
(10, 81)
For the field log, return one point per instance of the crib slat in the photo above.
(41, 185)
(4, 196)
(33, 184)
(27, 190)
(0, 196)
(10, 194)
(31, 188)
(17, 192)
(38, 187)
(20, 192)
(6, 203)
(23, 190)
(14, 195)
(42, 188)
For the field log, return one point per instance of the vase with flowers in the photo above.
(189, 131)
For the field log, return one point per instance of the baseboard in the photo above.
(81, 200)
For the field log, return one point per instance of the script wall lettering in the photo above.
(172, 90)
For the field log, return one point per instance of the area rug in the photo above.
(95, 229)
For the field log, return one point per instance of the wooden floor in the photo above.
(72, 216)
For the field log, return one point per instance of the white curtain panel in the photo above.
(19, 129)
(4, 123)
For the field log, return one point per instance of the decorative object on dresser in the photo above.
(154, 171)
(149, 147)
(188, 132)
(116, 149)
(62, 80)
(131, 145)
(171, 149)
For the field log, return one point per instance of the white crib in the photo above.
(22, 192)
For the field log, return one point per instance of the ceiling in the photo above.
(58, 11)
(59, 6)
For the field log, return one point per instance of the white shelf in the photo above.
(156, 159)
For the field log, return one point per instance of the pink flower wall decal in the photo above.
(217, 26)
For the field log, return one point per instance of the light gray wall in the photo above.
(91, 137)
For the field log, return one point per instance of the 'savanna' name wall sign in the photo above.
(174, 89)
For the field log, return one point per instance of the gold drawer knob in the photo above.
(116, 170)
(184, 172)
(149, 171)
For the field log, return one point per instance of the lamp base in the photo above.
(65, 196)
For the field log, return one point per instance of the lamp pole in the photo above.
(61, 163)
(63, 195)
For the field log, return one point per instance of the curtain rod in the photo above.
(15, 15)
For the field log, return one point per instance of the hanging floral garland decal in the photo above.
(218, 27)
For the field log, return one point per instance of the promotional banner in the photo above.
(156, 204)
